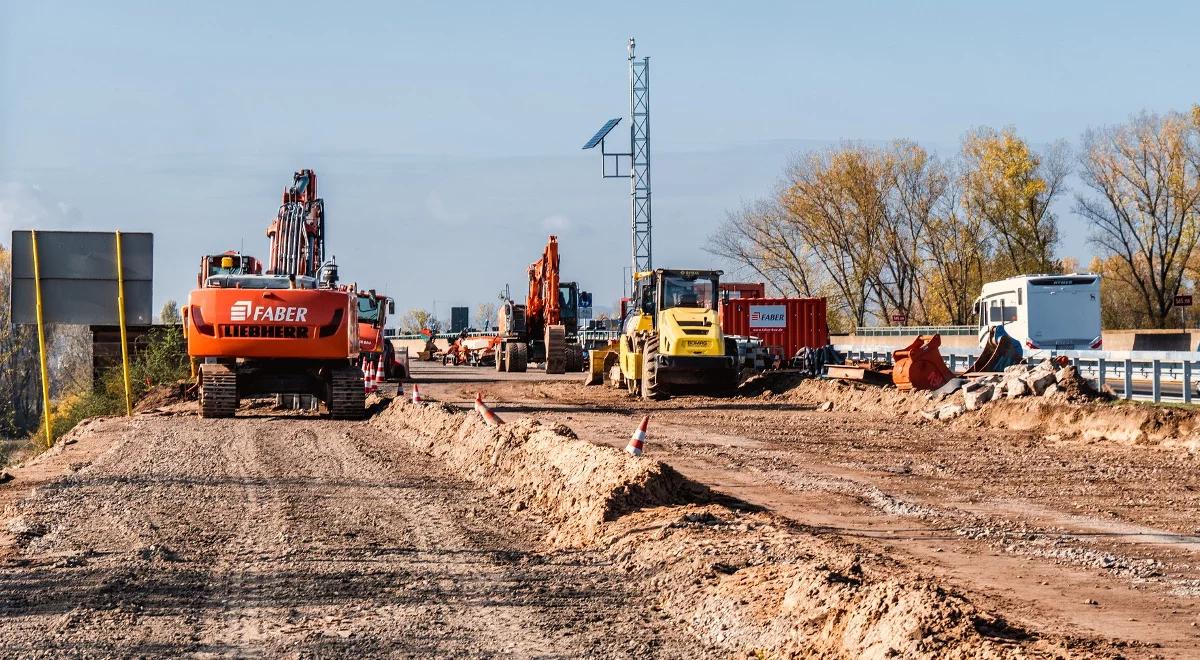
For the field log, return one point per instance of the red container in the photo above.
(784, 324)
(734, 290)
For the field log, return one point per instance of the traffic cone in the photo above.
(380, 377)
(416, 394)
(634, 448)
(488, 416)
(369, 382)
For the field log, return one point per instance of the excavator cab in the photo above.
(226, 263)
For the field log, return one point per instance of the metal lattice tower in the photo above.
(639, 148)
(638, 155)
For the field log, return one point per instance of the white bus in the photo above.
(1043, 311)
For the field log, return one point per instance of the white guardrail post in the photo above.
(1156, 381)
(1187, 381)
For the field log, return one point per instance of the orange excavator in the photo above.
(546, 325)
(289, 330)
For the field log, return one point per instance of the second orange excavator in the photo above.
(545, 327)
(290, 330)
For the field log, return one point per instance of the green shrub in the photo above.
(163, 360)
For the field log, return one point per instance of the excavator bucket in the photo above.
(1000, 352)
(919, 366)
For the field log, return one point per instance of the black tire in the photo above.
(500, 358)
(516, 356)
(521, 358)
(652, 390)
(218, 391)
(345, 396)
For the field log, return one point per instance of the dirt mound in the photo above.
(165, 395)
(1125, 423)
(749, 581)
(857, 397)
(757, 585)
(579, 486)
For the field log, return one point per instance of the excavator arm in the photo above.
(297, 233)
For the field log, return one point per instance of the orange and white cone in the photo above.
(367, 382)
(416, 394)
(370, 381)
(380, 378)
(488, 416)
(634, 448)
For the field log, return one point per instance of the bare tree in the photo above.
(20, 376)
(836, 202)
(485, 312)
(1145, 179)
(762, 238)
(169, 314)
(416, 319)
(957, 256)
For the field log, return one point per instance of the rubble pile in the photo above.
(1044, 379)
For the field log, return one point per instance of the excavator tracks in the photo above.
(556, 349)
(218, 391)
(347, 400)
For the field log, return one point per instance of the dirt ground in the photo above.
(754, 526)
(1068, 534)
(291, 536)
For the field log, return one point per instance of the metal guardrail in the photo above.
(906, 330)
(1139, 375)
(440, 335)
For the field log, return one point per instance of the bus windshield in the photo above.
(699, 291)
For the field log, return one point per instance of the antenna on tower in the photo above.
(638, 168)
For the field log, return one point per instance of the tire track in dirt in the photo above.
(296, 535)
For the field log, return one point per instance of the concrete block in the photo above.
(1015, 387)
(949, 412)
(977, 395)
(1038, 380)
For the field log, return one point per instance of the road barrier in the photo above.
(1158, 376)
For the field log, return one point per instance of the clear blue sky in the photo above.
(447, 135)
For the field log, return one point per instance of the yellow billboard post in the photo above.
(41, 327)
(121, 316)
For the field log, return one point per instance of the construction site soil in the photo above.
(755, 525)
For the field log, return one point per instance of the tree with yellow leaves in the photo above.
(1011, 189)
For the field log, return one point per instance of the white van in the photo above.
(1043, 311)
